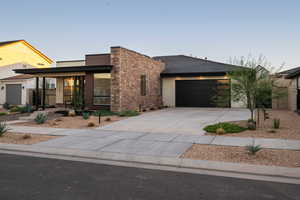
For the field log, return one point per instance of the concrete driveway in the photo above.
(178, 120)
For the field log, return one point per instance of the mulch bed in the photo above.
(285, 158)
(76, 122)
(13, 116)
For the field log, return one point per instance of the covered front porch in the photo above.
(84, 87)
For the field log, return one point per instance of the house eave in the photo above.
(97, 68)
(192, 74)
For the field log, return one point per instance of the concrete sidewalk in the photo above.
(141, 143)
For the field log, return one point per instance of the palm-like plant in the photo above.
(3, 128)
(253, 149)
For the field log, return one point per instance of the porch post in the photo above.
(44, 91)
(37, 93)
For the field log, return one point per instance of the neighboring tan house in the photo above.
(127, 80)
(18, 54)
(289, 81)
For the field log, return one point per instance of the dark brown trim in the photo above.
(97, 54)
(44, 91)
(62, 61)
(193, 74)
(37, 93)
(89, 89)
(95, 68)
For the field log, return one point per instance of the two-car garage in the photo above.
(202, 93)
(194, 82)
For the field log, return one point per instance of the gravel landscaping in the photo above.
(24, 138)
(289, 126)
(76, 122)
(286, 158)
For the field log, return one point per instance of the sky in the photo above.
(216, 29)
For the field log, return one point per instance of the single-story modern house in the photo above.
(15, 89)
(289, 81)
(127, 80)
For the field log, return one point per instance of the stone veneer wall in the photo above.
(128, 66)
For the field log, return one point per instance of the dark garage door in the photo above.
(13, 94)
(200, 93)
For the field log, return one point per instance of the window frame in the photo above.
(101, 96)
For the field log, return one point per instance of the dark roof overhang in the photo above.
(293, 75)
(97, 68)
(192, 74)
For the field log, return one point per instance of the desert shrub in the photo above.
(104, 113)
(26, 136)
(3, 113)
(228, 127)
(251, 120)
(3, 128)
(40, 118)
(108, 119)
(72, 113)
(271, 131)
(91, 124)
(220, 131)
(85, 115)
(253, 149)
(251, 125)
(128, 113)
(6, 106)
(15, 109)
(26, 109)
(276, 123)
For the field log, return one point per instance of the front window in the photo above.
(68, 90)
(102, 88)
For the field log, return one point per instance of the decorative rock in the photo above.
(72, 113)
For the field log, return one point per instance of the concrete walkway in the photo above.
(178, 120)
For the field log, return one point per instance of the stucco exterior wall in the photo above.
(169, 90)
(71, 63)
(21, 53)
(7, 70)
(128, 67)
(289, 99)
(292, 95)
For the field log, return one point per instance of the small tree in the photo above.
(252, 83)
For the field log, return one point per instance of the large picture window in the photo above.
(102, 88)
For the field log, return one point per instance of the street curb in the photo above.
(256, 170)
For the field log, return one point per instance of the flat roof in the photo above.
(96, 68)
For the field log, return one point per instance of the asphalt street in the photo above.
(31, 178)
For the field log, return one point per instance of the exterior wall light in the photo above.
(2, 88)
